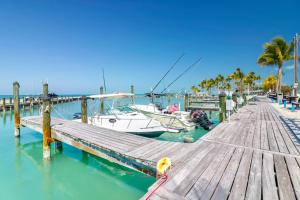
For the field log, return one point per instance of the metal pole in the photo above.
(296, 41)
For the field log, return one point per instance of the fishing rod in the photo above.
(178, 77)
(174, 64)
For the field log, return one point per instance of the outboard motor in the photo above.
(200, 118)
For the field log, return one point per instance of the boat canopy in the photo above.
(111, 96)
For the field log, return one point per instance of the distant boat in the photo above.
(125, 119)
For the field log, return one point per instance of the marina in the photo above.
(149, 100)
(255, 144)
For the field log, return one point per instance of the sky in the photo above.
(68, 43)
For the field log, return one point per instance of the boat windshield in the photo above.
(120, 110)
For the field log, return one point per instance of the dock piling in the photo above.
(46, 123)
(222, 103)
(84, 109)
(16, 87)
(3, 105)
(234, 99)
(186, 102)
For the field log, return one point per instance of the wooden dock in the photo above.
(253, 157)
(8, 104)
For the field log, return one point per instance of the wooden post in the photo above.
(222, 103)
(23, 103)
(45, 89)
(46, 122)
(46, 127)
(31, 103)
(3, 105)
(186, 102)
(234, 98)
(132, 92)
(210, 114)
(84, 118)
(101, 101)
(10, 104)
(16, 88)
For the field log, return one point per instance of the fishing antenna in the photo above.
(175, 63)
(178, 77)
(103, 77)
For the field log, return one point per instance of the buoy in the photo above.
(162, 165)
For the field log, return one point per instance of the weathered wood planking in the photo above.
(254, 157)
(115, 146)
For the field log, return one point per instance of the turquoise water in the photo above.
(71, 173)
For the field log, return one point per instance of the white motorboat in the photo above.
(170, 117)
(125, 119)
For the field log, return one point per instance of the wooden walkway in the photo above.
(252, 157)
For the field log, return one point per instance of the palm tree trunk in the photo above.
(279, 79)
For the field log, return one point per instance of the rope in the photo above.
(163, 179)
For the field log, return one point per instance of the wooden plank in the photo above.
(271, 137)
(268, 178)
(208, 174)
(239, 187)
(209, 190)
(223, 188)
(281, 144)
(249, 138)
(264, 136)
(257, 136)
(283, 178)
(185, 171)
(255, 180)
(196, 170)
(294, 171)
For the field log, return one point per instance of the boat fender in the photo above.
(162, 166)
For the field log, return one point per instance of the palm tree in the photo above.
(195, 89)
(250, 79)
(210, 84)
(276, 53)
(238, 77)
(219, 79)
(203, 84)
(227, 86)
(270, 83)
